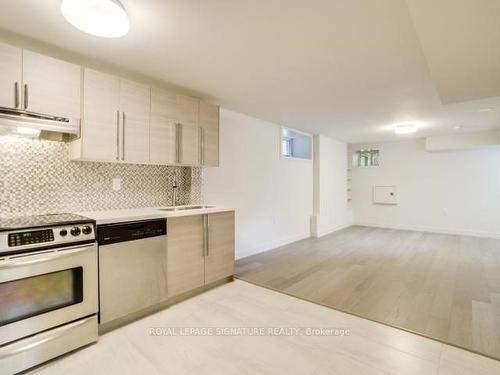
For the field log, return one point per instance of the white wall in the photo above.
(331, 210)
(451, 192)
(272, 196)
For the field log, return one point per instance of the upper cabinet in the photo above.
(187, 130)
(37, 83)
(209, 137)
(175, 131)
(121, 120)
(101, 111)
(115, 120)
(135, 106)
(51, 86)
(163, 137)
(11, 71)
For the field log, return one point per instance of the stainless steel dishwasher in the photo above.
(132, 268)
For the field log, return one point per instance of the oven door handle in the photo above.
(38, 258)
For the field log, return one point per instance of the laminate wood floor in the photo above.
(445, 287)
(369, 349)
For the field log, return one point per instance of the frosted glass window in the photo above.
(295, 144)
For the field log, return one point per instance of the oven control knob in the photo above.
(63, 232)
(75, 231)
(87, 229)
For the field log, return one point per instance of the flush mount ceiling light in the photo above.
(105, 18)
(405, 129)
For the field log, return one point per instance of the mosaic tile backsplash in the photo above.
(37, 177)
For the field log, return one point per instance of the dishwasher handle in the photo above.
(130, 231)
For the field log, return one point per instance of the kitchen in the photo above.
(65, 276)
(229, 187)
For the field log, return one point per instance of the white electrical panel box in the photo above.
(385, 195)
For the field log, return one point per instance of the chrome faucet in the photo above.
(174, 190)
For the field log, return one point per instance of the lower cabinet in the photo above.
(200, 250)
(185, 254)
(219, 259)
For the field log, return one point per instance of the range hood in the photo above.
(37, 125)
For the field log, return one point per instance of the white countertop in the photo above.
(135, 214)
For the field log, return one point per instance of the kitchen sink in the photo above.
(185, 208)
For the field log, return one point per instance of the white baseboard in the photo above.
(269, 245)
(458, 232)
(325, 232)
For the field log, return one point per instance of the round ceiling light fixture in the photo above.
(405, 129)
(104, 18)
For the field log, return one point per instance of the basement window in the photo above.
(366, 158)
(295, 144)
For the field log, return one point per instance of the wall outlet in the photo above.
(117, 184)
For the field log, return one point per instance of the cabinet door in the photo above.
(219, 262)
(11, 68)
(52, 86)
(162, 132)
(188, 144)
(186, 261)
(135, 105)
(101, 99)
(187, 116)
(209, 125)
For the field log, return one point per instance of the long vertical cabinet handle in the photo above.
(117, 135)
(205, 234)
(26, 99)
(202, 146)
(16, 95)
(178, 143)
(123, 135)
(208, 234)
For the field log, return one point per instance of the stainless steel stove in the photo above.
(48, 288)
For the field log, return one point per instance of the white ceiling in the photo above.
(351, 69)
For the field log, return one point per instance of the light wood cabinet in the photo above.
(101, 104)
(186, 254)
(122, 121)
(174, 128)
(188, 144)
(115, 123)
(200, 250)
(38, 83)
(188, 137)
(11, 70)
(219, 260)
(135, 108)
(209, 137)
(51, 86)
(163, 127)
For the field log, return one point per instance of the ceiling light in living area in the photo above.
(104, 18)
(405, 129)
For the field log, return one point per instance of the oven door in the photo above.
(45, 289)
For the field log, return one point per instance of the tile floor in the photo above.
(370, 349)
